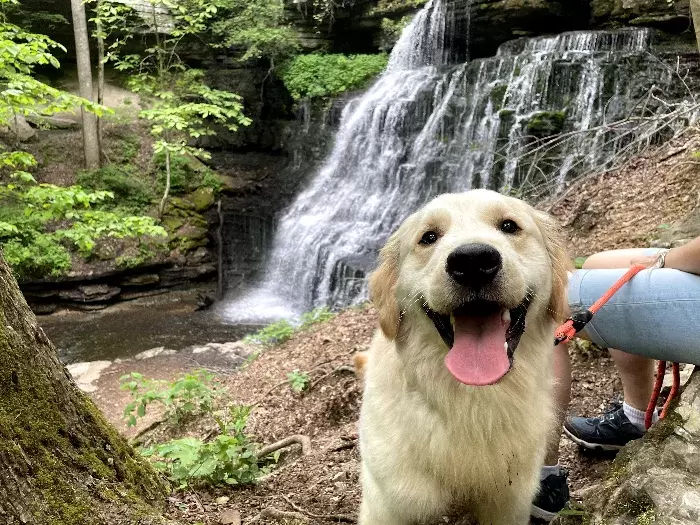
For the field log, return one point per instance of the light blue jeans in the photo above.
(656, 314)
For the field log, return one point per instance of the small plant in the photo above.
(230, 458)
(280, 331)
(298, 381)
(191, 394)
(317, 315)
(272, 334)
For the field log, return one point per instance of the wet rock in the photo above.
(154, 352)
(200, 255)
(140, 280)
(237, 349)
(85, 374)
(91, 293)
(657, 479)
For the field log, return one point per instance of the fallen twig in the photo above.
(335, 517)
(300, 439)
(272, 512)
(342, 368)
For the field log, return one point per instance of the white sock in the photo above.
(549, 469)
(636, 417)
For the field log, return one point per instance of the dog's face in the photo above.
(473, 263)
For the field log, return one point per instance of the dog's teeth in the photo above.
(505, 317)
(505, 346)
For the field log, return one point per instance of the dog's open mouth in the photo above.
(482, 337)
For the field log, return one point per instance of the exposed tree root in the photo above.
(343, 368)
(302, 440)
(345, 518)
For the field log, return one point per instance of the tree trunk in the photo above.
(100, 75)
(60, 461)
(695, 13)
(161, 208)
(82, 52)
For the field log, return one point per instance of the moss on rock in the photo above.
(545, 123)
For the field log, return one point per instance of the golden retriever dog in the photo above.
(457, 402)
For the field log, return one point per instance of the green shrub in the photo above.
(272, 334)
(317, 315)
(280, 331)
(189, 395)
(127, 187)
(36, 257)
(325, 75)
(230, 458)
(94, 224)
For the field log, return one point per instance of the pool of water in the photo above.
(126, 329)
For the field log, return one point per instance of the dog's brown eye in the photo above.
(509, 226)
(429, 237)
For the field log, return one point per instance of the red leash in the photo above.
(580, 319)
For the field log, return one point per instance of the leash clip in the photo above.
(580, 319)
(572, 326)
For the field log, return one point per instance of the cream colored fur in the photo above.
(430, 444)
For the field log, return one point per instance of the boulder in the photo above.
(17, 130)
(656, 479)
(202, 198)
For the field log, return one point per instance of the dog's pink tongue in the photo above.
(478, 356)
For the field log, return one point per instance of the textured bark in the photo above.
(82, 53)
(60, 461)
(695, 12)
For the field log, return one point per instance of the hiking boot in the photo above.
(611, 431)
(552, 497)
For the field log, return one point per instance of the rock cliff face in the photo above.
(668, 15)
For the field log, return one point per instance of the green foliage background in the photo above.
(325, 75)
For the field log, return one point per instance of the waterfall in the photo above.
(430, 125)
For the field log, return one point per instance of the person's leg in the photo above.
(636, 372)
(562, 395)
(637, 375)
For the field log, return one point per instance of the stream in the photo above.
(126, 329)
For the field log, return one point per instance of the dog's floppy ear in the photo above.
(382, 287)
(560, 261)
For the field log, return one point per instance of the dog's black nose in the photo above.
(474, 264)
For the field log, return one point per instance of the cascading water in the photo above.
(429, 126)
